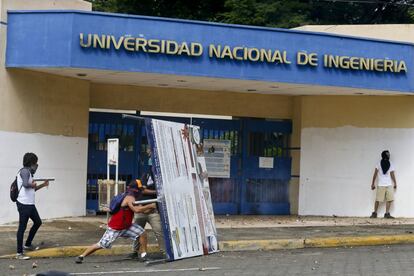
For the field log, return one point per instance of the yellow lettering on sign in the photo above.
(88, 43)
(378, 65)
(172, 47)
(313, 59)
(99, 41)
(277, 57)
(129, 44)
(354, 63)
(255, 56)
(401, 67)
(344, 62)
(388, 65)
(239, 53)
(196, 49)
(140, 43)
(153, 46)
(226, 53)
(301, 58)
(285, 60)
(366, 64)
(236, 51)
(214, 51)
(184, 49)
(117, 44)
(265, 55)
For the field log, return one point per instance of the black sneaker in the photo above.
(31, 247)
(374, 215)
(388, 216)
(79, 259)
(133, 255)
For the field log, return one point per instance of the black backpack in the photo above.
(14, 190)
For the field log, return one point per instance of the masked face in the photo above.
(33, 168)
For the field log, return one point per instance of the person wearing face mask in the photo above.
(386, 177)
(152, 218)
(26, 204)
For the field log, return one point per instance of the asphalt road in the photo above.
(380, 260)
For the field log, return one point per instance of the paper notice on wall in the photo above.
(266, 162)
(217, 155)
(182, 186)
(113, 151)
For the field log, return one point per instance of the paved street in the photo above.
(381, 260)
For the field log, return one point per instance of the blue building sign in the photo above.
(75, 39)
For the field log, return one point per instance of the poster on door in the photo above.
(217, 156)
(182, 188)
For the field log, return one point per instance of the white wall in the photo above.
(337, 165)
(62, 157)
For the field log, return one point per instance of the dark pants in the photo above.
(26, 212)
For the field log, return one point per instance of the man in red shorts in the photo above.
(120, 225)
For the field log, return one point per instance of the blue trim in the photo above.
(55, 44)
(209, 23)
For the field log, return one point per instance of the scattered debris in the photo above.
(11, 267)
(34, 265)
(202, 269)
(69, 228)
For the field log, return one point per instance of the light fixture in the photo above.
(81, 74)
(251, 90)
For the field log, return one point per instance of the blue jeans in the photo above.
(26, 212)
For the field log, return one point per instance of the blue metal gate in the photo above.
(249, 190)
(265, 187)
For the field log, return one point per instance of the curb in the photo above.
(358, 241)
(240, 245)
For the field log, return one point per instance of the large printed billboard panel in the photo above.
(182, 187)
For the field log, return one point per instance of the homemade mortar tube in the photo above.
(44, 179)
(147, 201)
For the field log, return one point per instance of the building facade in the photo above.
(347, 96)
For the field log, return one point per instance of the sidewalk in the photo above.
(69, 236)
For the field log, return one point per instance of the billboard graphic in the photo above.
(182, 186)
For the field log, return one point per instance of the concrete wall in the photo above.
(190, 101)
(341, 142)
(47, 115)
(396, 32)
(42, 5)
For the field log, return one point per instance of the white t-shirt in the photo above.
(26, 195)
(384, 180)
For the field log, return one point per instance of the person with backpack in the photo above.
(152, 218)
(25, 202)
(385, 190)
(120, 224)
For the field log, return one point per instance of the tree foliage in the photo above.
(273, 13)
